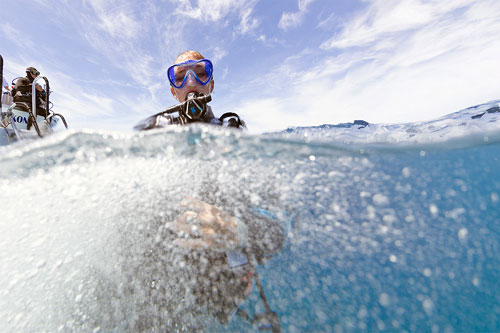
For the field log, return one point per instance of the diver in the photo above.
(22, 91)
(191, 83)
(222, 246)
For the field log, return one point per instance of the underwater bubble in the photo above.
(428, 306)
(335, 174)
(13, 282)
(380, 199)
(336, 208)
(427, 272)
(451, 193)
(410, 218)
(494, 197)
(364, 194)
(433, 209)
(393, 258)
(384, 300)
(362, 313)
(19, 316)
(384, 229)
(389, 218)
(405, 172)
(455, 213)
(31, 274)
(40, 241)
(462, 233)
(41, 263)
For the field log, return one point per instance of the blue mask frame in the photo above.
(190, 63)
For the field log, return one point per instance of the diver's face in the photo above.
(191, 84)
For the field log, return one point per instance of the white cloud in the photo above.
(273, 41)
(292, 20)
(45, 3)
(247, 22)
(16, 36)
(97, 109)
(216, 10)
(116, 29)
(400, 70)
(329, 22)
(116, 18)
(383, 18)
(217, 54)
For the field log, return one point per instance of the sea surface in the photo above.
(389, 227)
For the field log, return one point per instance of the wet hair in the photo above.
(195, 54)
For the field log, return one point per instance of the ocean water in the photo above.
(389, 227)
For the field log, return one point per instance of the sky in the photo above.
(277, 63)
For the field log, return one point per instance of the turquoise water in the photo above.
(425, 257)
(391, 232)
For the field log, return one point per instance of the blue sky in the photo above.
(278, 63)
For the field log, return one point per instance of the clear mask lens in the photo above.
(201, 70)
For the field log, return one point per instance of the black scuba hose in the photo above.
(1, 75)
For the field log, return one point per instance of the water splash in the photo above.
(391, 238)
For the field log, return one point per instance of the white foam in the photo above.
(473, 124)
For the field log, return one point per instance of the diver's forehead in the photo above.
(186, 57)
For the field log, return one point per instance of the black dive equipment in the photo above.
(1, 75)
(28, 100)
(193, 109)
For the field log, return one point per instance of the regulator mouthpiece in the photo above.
(194, 108)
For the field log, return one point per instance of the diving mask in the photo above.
(201, 70)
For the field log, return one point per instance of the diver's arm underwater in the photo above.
(206, 227)
(231, 249)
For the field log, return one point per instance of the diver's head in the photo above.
(190, 73)
(32, 73)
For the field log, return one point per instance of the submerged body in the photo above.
(388, 237)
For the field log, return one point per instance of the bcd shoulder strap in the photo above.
(233, 121)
